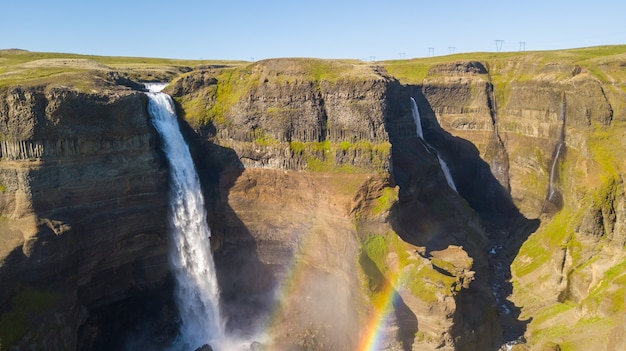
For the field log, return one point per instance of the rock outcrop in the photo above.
(275, 115)
(82, 208)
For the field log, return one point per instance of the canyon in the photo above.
(332, 224)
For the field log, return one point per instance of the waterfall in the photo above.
(446, 173)
(420, 133)
(553, 171)
(553, 195)
(197, 293)
(416, 118)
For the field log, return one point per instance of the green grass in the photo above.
(607, 149)
(388, 197)
(323, 156)
(297, 147)
(232, 85)
(375, 247)
(408, 72)
(612, 286)
(25, 306)
(419, 277)
(322, 69)
(540, 247)
(264, 140)
(18, 67)
(14, 66)
(197, 108)
(590, 181)
(371, 260)
(315, 70)
(551, 311)
(582, 335)
(502, 73)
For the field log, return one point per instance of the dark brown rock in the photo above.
(205, 347)
(83, 201)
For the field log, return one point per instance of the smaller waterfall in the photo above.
(420, 133)
(553, 197)
(196, 291)
(446, 173)
(416, 118)
(551, 189)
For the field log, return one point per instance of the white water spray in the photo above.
(446, 173)
(420, 133)
(416, 118)
(553, 170)
(197, 293)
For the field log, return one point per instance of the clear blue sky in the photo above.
(364, 29)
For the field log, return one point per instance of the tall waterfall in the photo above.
(197, 293)
(420, 133)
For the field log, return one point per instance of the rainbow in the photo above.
(293, 283)
(382, 303)
(301, 273)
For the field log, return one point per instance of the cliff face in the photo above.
(276, 115)
(324, 205)
(515, 134)
(549, 129)
(354, 125)
(82, 208)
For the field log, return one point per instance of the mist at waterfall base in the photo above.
(196, 287)
(197, 294)
(420, 133)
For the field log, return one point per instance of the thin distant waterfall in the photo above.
(551, 189)
(197, 293)
(553, 196)
(416, 118)
(446, 173)
(420, 133)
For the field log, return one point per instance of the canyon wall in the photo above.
(498, 124)
(353, 126)
(323, 201)
(549, 129)
(82, 209)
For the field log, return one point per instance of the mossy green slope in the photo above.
(570, 275)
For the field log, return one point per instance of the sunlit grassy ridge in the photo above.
(597, 59)
(19, 67)
(32, 68)
(237, 80)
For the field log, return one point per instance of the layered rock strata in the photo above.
(314, 180)
(82, 208)
(353, 128)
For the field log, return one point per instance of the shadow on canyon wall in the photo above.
(506, 228)
(152, 321)
(149, 319)
(246, 284)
